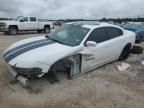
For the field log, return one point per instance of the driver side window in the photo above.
(24, 19)
(98, 35)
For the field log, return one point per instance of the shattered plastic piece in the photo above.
(23, 80)
(142, 63)
(123, 66)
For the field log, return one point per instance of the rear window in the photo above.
(114, 32)
(32, 19)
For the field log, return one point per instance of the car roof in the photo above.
(92, 25)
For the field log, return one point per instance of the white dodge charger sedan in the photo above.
(75, 48)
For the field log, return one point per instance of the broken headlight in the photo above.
(28, 71)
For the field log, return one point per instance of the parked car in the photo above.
(138, 29)
(75, 48)
(58, 23)
(25, 24)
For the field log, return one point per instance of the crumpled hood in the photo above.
(41, 50)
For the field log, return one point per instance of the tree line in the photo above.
(118, 20)
(5, 18)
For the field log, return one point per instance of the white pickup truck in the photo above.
(11, 27)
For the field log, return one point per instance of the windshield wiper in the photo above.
(56, 40)
(47, 36)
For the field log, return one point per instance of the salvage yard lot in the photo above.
(105, 87)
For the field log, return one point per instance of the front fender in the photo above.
(53, 58)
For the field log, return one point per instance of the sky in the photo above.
(73, 9)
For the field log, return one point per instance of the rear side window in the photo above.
(114, 32)
(32, 19)
(98, 35)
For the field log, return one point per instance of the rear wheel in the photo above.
(125, 52)
(46, 29)
(12, 30)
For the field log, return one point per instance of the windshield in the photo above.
(69, 34)
(17, 18)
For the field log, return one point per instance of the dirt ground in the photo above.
(105, 87)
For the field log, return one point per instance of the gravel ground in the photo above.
(105, 87)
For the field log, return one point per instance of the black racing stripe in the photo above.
(19, 52)
(22, 46)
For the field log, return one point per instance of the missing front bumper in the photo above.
(24, 81)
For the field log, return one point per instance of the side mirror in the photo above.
(22, 20)
(91, 43)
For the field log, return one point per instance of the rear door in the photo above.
(115, 41)
(33, 23)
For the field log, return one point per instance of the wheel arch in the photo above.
(129, 44)
(68, 60)
(13, 26)
(47, 25)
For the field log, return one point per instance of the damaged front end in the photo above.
(22, 71)
(71, 66)
(24, 74)
(27, 72)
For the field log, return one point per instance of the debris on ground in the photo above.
(123, 66)
(142, 63)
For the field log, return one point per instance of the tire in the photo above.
(137, 41)
(125, 52)
(39, 31)
(137, 50)
(46, 29)
(12, 30)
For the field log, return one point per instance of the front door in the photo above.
(98, 55)
(24, 24)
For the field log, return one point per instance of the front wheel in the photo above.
(12, 30)
(125, 52)
(46, 29)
